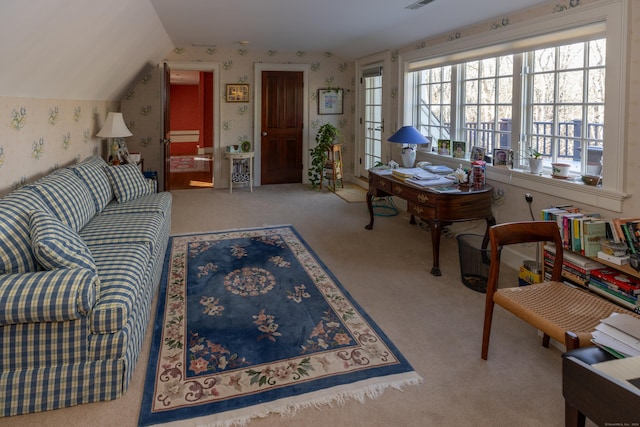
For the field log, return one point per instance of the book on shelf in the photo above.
(613, 296)
(620, 332)
(617, 260)
(617, 225)
(617, 279)
(593, 231)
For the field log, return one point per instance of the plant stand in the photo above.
(333, 168)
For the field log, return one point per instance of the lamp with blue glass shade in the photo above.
(409, 136)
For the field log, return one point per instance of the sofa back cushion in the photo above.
(67, 197)
(16, 255)
(127, 182)
(92, 173)
(55, 245)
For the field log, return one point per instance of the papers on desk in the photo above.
(430, 183)
(619, 334)
(381, 170)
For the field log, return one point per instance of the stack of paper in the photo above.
(619, 334)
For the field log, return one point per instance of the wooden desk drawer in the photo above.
(376, 181)
(413, 194)
(422, 211)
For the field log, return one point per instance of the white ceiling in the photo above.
(96, 49)
(347, 28)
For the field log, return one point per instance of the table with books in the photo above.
(437, 200)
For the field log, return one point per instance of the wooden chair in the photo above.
(562, 312)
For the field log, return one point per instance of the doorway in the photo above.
(191, 125)
(282, 124)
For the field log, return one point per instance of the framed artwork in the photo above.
(459, 148)
(503, 157)
(237, 93)
(330, 101)
(444, 147)
(477, 153)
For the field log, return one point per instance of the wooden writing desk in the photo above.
(436, 209)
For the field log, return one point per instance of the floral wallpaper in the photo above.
(142, 107)
(38, 136)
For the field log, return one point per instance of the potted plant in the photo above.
(535, 161)
(327, 134)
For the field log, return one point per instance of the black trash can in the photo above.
(474, 262)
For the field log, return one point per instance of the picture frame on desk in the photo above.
(459, 149)
(503, 157)
(477, 153)
(444, 147)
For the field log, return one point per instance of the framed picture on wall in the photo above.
(330, 101)
(237, 93)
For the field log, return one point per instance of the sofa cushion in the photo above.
(127, 228)
(123, 268)
(16, 255)
(67, 197)
(157, 203)
(55, 245)
(92, 173)
(127, 182)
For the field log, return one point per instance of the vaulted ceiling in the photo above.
(94, 49)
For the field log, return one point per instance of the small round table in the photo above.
(241, 176)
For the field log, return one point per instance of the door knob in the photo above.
(264, 134)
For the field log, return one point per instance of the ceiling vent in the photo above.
(418, 4)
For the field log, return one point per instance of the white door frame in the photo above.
(257, 116)
(383, 58)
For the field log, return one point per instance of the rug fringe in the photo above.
(361, 392)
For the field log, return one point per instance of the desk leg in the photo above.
(435, 227)
(370, 207)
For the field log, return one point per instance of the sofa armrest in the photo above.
(47, 296)
(153, 183)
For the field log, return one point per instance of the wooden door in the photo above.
(282, 123)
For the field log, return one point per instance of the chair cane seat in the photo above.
(556, 308)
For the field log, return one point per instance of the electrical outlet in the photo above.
(528, 197)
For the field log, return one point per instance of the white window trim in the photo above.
(613, 12)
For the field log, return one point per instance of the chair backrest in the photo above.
(522, 232)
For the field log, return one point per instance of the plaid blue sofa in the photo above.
(81, 254)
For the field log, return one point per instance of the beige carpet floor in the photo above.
(435, 321)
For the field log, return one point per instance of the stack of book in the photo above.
(619, 334)
(575, 268)
(616, 285)
(581, 232)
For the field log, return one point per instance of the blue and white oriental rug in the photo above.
(251, 322)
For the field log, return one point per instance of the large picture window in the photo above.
(555, 86)
(560, 96)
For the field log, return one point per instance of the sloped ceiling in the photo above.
(77, 49)
(95, 49)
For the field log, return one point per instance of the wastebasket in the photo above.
(474, 262)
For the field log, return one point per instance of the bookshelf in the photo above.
(608, 279)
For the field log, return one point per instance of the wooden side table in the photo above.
(237, 173)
